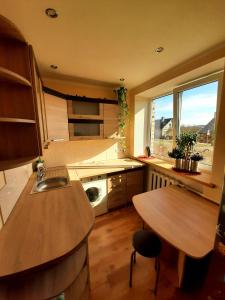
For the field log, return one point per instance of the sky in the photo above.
(198, 105)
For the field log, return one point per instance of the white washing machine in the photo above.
(96, 190)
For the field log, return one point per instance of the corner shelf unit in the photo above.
(10, 76)
(19, 132)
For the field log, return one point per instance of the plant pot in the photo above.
(186, 164)
(178, 164)
(194, 166)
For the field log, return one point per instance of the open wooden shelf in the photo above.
(7, 75)
(19, 131)
(15, 120)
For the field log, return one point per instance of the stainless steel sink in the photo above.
(51, 183)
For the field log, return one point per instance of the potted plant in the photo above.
(195, 158)
(178, 155)
(185, 142)
(123, 114)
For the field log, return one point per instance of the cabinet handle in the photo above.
(114, 186)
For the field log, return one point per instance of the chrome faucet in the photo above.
(41, 171)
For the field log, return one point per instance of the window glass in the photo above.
(198, 113)
(162, 125)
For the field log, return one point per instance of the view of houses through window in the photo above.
(197, 114)
(162, 125)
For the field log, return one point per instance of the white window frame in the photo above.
(176, 92)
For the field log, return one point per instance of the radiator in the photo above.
(158, 180)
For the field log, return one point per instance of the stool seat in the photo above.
(147, 243)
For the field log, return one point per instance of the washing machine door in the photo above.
(93, 194)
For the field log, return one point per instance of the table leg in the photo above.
(181, 267)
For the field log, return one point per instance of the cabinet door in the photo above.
(134, 183)
(111, 113)
(117, 192)
(39, 96)
(57, 119)
(41, 111)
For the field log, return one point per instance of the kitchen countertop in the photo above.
(87, 169)
(44, 227)
(47, 226)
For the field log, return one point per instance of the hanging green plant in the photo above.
(123, 114)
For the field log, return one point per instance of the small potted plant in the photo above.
(186, 142)
(178, 155)
(195, 158)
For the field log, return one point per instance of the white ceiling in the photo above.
(104, 40)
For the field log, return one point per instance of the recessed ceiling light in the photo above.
(159, 49)
(51, 13)
(54, 67)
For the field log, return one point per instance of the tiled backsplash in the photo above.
(15, 181)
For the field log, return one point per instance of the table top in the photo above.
(182, 218)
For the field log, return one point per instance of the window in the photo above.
(198, 113)
(162, 125)
(195, 111)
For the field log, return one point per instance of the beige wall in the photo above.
(15, 181)
(60, 153)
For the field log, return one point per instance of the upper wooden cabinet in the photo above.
(57, 119)
(40, 102)
(19, 126)
(111, 113)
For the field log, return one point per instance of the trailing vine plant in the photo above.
(123, 113)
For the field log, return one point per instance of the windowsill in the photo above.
(203, 178)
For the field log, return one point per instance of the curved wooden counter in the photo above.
(44, 227)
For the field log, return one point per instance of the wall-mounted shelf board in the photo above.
(7, 75)
(84, 117)
(15, 120)
(79, 98)
(90, 121)
(8, 164)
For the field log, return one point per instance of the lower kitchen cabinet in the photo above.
(135, 182)
(117, 194)
(123, 186)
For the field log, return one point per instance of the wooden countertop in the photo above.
(85, 169)
(203, 178)
(44, 227)
(182, 218)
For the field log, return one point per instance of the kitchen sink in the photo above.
(51, 183)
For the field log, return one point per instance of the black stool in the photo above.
(147, 244)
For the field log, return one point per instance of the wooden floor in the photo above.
(110, 249)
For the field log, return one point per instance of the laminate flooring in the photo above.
(109, 250)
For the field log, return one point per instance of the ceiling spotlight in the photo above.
(51, 13)
(159, 49)
(54, 67)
